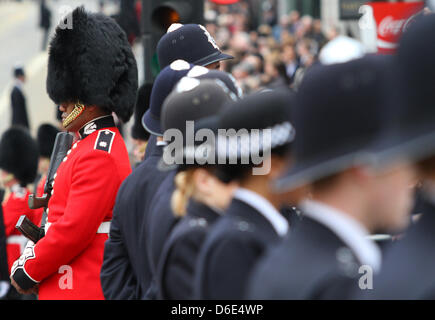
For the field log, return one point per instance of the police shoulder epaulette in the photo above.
(242, 225)
(104, 140)
(198, 223)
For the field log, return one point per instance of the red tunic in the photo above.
(15, 206)
(67, 261)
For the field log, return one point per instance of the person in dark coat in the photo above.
(198, 200)
(330, 254)
(157, 227)
(252, 223)
(409, 268)
(162, 218)
(44, 22)
(125, 273)
(18, 100)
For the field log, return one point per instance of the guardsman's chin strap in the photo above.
(77, 111)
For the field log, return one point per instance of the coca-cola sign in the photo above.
(390, 27)
(391, 19)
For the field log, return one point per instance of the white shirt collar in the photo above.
(262, 205)
(161, 143)
(350, 231)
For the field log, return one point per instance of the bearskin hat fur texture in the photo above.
(19, 154)
(142, 105)
(46, 136)
(91, 61)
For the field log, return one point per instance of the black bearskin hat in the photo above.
(45, 137)
(142, 105)
(19, 154)
(91, 62)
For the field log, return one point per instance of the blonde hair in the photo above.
(184, 190)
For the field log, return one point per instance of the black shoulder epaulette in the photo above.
(104, 140)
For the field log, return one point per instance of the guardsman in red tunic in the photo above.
(91, 73)
(18, 163)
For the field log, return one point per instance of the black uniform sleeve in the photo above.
(226, 267)
(117, 277)
(177, 265)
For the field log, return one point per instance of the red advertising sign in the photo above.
(391, 19)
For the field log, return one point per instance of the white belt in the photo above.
(18, 239)
(103, 228)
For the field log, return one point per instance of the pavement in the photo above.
(21, 40)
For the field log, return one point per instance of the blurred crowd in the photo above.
(270, 50)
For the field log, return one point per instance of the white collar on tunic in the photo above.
(267, 210)
(350, 231)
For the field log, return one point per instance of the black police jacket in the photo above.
(175, 274)
(311, 263)
(408, 270)
(231, 249)
(126, 270)
(157, 227)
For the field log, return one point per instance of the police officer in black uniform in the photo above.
(125, 273)
(252, 222)
(199, 197)
(162, 218)
(409, 268)
(339, 116)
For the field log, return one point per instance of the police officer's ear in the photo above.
(211, 190)
(278, 165)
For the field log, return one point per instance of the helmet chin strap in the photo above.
(77, 111)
